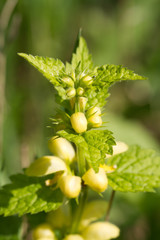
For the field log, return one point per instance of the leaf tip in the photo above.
(22, 54)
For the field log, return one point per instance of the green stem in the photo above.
(83, 194)
(79, 211)
(81, 161)
(110, 205)
(77, 108)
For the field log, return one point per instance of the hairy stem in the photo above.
(110, 205)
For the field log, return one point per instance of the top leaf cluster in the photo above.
(81, 64)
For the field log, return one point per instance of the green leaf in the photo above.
(81, 58)
(95, 144)
(49, 67)
(52, 69)
(99, 144)
(28, 195)
(105, 76)
(138, 170)
(96, 96)
(109, 74)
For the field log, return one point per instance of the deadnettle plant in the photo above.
(83, 156)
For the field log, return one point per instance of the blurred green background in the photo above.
(117, 32)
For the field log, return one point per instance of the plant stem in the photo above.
(110, 205)
(83, 195)
(79, 211)
(81, 161)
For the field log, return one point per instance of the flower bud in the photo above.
(62, 148)
(79, 122)
(93, 111)
(80, 91)
(97, 181)
(86, 80)
(68, 81)
(101, 231)
(95, 120)
(70, 185)
(82, 103)
(71, 92)
(43, 232)
(120, 147)
(46, 165)
(73, 237)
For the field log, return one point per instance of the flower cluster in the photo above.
(70, 184)
(81, 117)
(61, 165)
(88, 228)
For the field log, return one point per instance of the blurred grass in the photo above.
(117, 31)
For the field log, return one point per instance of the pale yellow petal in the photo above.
(46, 165)
(101, 231)
(73, 237)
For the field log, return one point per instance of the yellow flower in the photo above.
(62, 148)
(101, 231)
(71, 92)
(82, 103)
(68, 81)
(86, 80)
(97, 181)
(70, 185)
(74, 237)
(79, 122)
(94, 111)
(43, 232)
(80, 91)
(95, 120)
(46, 165)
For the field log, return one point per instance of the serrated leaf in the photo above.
(109, 74)
(99, 144)
(138, 170)
(105, 76)
(28, 195)
(96, 96)
(81, 58)
(95, 144)
(51, 68)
